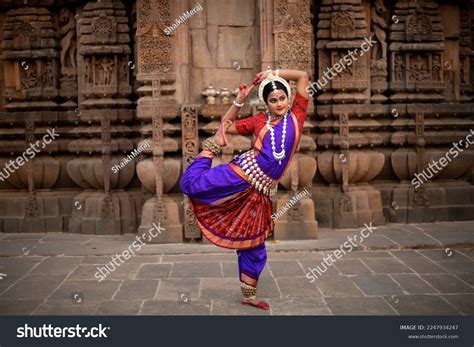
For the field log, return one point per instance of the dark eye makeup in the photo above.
(273, 100)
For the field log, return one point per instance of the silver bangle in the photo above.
(238, 105)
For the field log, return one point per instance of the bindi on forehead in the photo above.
(276, 94)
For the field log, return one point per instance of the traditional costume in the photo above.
(231, 201)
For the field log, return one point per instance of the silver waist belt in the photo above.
(263, 183)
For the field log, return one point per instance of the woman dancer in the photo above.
(232, 201)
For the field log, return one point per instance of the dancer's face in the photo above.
(277, 102)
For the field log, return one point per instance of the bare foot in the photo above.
(256, 303)
(219, 137)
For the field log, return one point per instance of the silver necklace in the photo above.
(279, 156)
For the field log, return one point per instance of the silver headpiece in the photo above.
(272, 78)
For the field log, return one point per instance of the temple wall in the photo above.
(109, 78)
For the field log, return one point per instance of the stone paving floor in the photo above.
(415, 269)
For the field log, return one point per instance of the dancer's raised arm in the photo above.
(238, 103)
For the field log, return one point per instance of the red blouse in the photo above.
(253, 124)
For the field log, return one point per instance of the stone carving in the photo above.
(103, 43)
(48, 75)
(153, 16)
(31, 207)
(343, 25)
(25, 35)
(345, 204)
(30, 59)
(436, 68)
(399, 68)
(418, 26)
(157, 106)
(88, 74)
(378, 67)
(379, 25)
(67, 42)
(105, 29)
(416, 46)
(105, 66)
(342, 163)
(419, 68)
(29, 77)
(123, 73)
(190, 139)
(292, 35)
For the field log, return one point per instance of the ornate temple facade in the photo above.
(132, 88)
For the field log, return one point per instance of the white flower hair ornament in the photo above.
(272, 77)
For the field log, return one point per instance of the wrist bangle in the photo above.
(277, 72)
(238, 105)
(210, 145)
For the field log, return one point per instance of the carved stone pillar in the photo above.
(68, 60)
(347, 118)
(190, 140)
(104, 87)
(30, 64)
(378, 65)
(421, 79)
(156, 106)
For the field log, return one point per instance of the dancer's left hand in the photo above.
(260, 77)
(243, 93)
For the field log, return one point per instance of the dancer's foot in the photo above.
(219, 137)
(256, 303)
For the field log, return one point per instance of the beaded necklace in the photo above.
(279, 156)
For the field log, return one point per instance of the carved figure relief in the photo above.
(436, 68)
(29, 77)
(88, 75)
(419, 69)
(379, 24)
(67, 42)
(399, 68)
(48, 75)
(105, 67)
